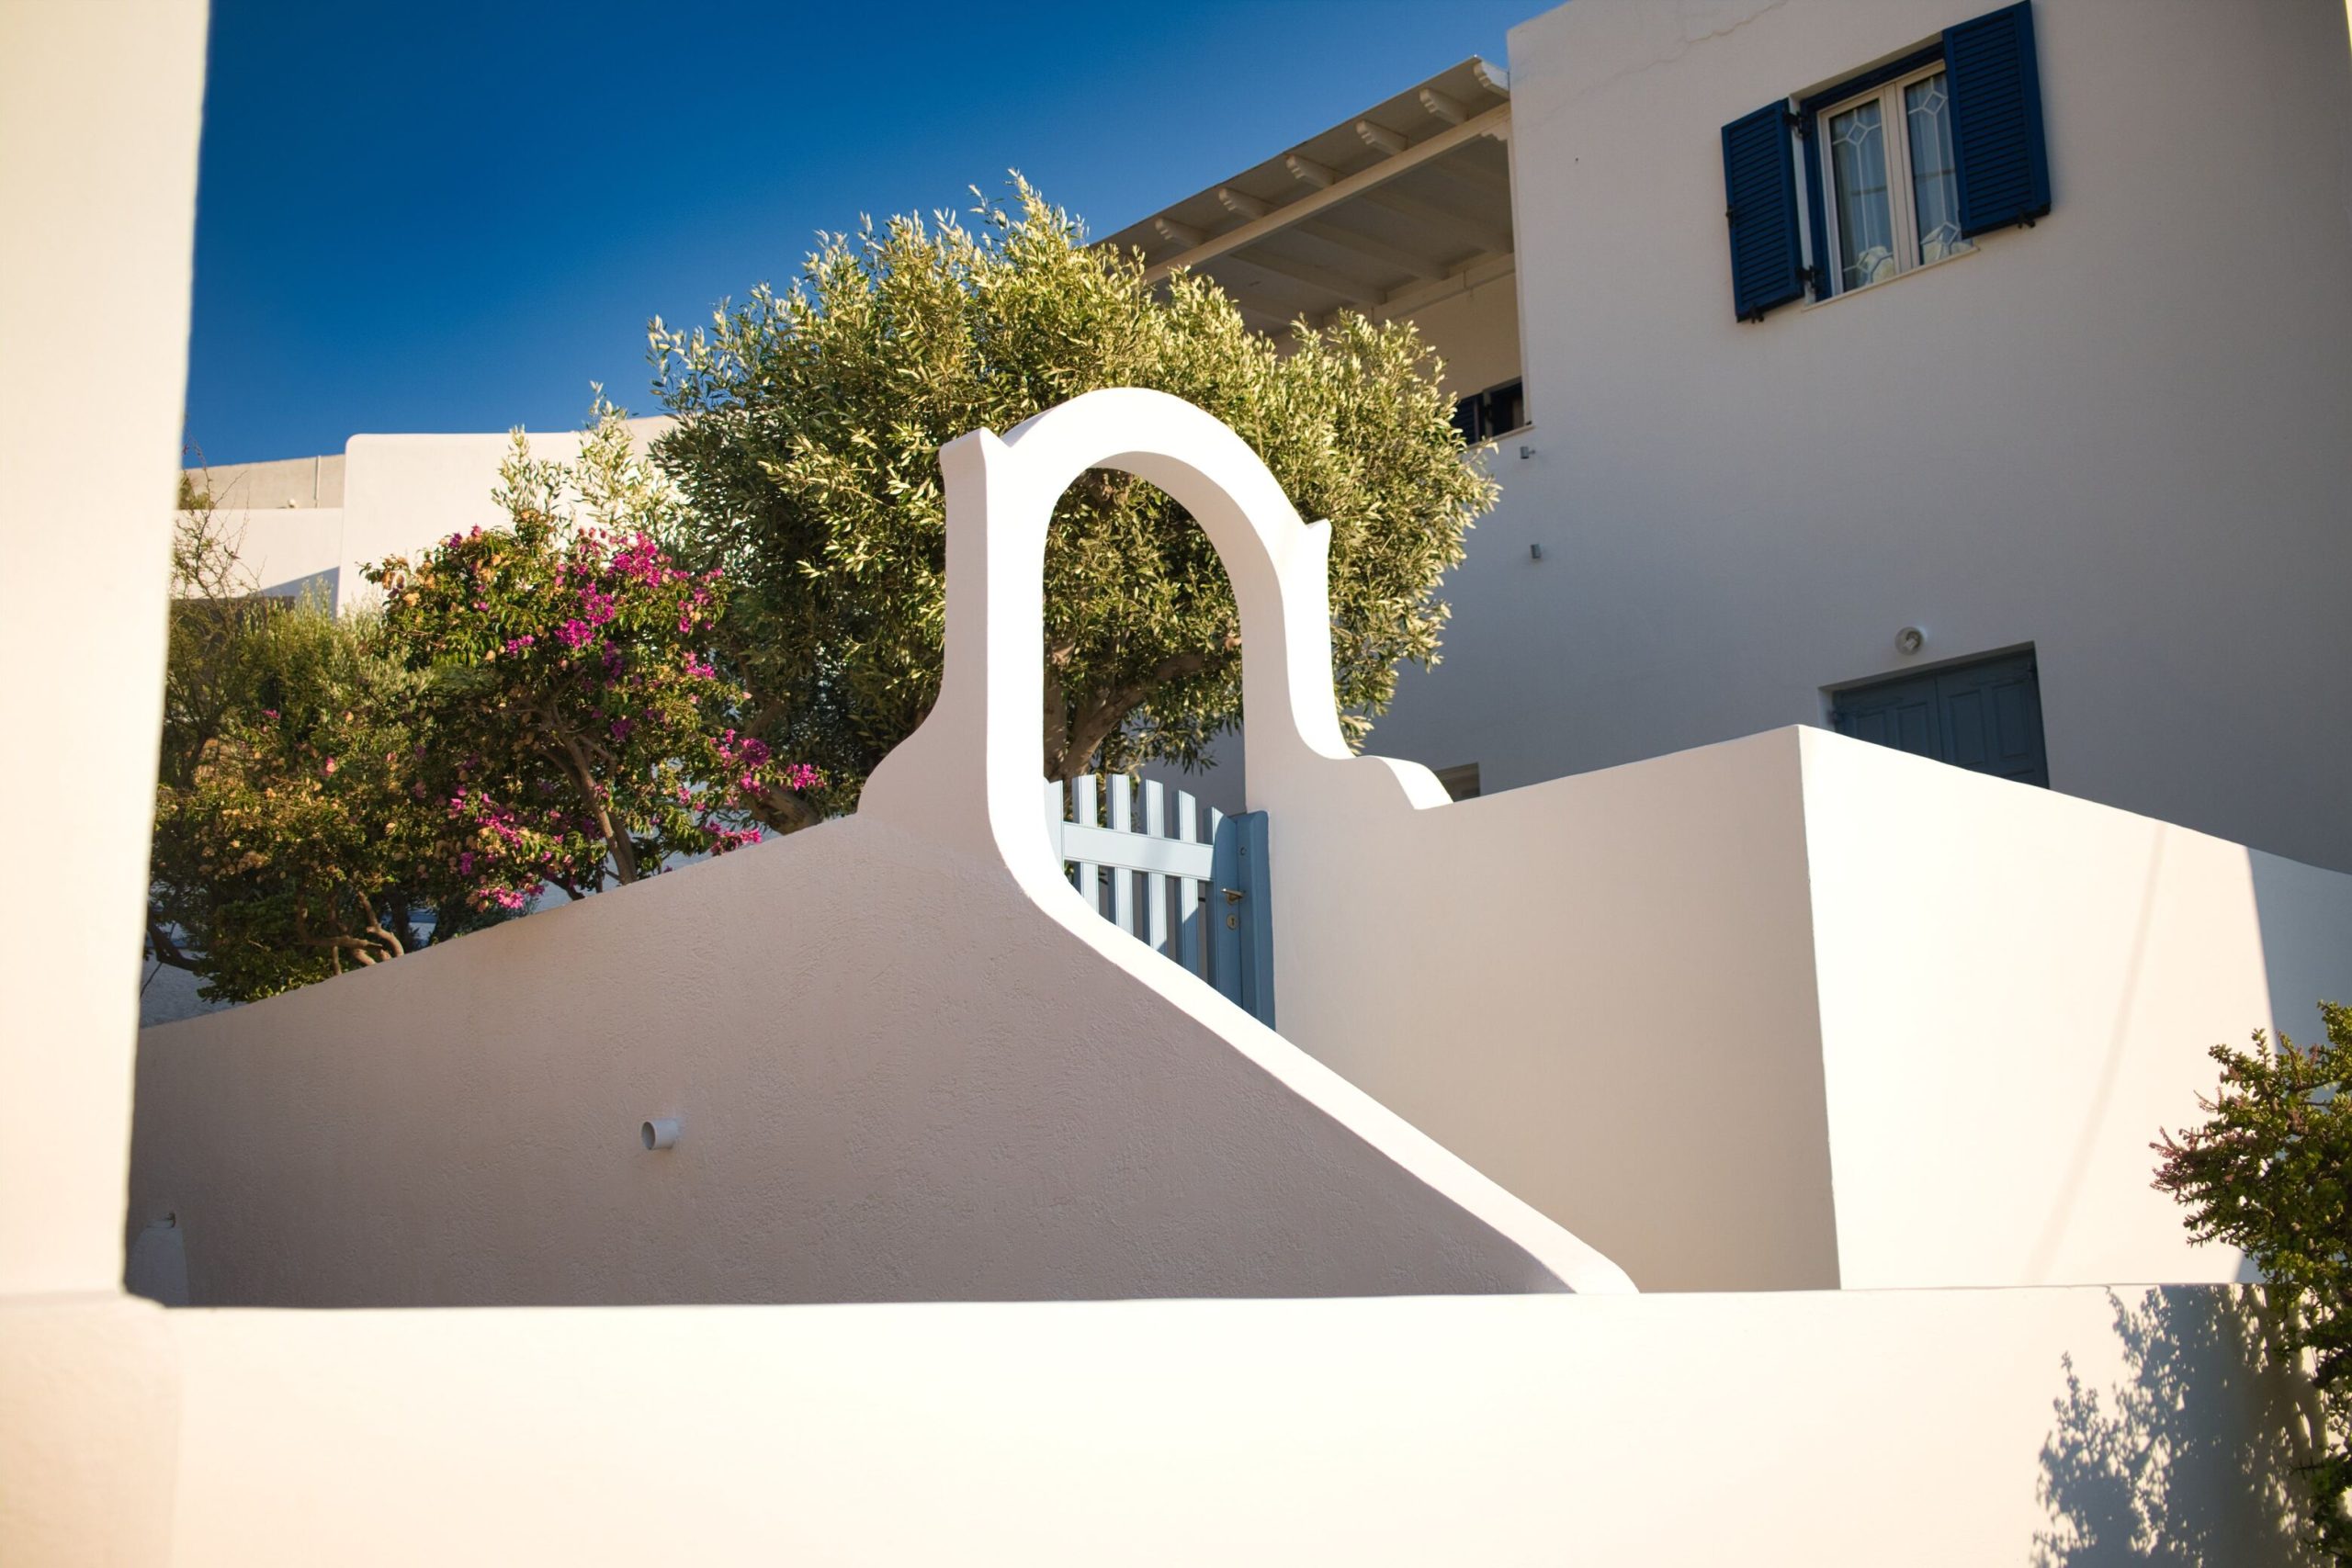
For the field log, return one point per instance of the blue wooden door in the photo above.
(1984, 716)
(1241, 916)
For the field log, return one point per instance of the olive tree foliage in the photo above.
(807, 447)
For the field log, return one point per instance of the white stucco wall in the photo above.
(2018, 991)
(315, 524)
(2118, 435)
(289, 550)
(898, 1080)
(1604, 986)
(1474, 327)
(99, 108)
(1797, 1429)
(1799, 1012)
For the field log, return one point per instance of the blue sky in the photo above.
(436, 217)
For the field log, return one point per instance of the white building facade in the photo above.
(2083, 472)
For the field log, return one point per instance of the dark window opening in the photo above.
(1482, 416)
(1460, 781)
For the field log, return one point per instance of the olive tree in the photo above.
(805, 444)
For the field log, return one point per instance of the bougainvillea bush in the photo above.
(582, 736)
(2269, 1172)
(529, 708)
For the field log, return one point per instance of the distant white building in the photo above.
(2017, 435)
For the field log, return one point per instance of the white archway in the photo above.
(969, 773)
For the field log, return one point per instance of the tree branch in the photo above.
(166, 951)
(618, 845)
(1099, 722)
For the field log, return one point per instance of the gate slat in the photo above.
(1155, 884)
(1089, 873)
(1123, 880)
(1190, 935)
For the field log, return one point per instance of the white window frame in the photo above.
(1894, 127)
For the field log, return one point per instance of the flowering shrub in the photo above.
(583, 735)
(292, 837)
(527, 709)
(2270, 1173)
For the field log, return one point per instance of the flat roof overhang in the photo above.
(1412, 194)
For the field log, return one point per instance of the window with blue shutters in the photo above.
(1760, 205)
(1902, 166)
(2003, 164)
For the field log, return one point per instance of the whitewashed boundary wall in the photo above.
(1790, 1431)
(895, 1079)
(99, 111)
(1797, 1011)
(912, 1063)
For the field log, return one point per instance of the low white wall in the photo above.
(900, 1080)
(1599, 989)
(1797, 1010)
(2018, 994)
(404, 493)
(288, 549)
(1924, 1427)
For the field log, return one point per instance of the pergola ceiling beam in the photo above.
(1338, 285)
(1397, 256)
(1380, 139)
(1362, 183)
(1451, 111)
(1242, 204)
(1306, 171)
(1286, 297)
(1482, 235)
(1475, 172)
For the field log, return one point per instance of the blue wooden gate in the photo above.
(1186, 880)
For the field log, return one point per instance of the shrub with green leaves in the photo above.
(807, 447)
(2269, 1172)
(292, 836)
(582, 734)
(530, 707)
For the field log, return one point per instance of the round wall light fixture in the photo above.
(1910, 640)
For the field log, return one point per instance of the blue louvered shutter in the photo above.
(2003, 164)
(1760, 201)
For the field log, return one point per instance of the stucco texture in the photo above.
(1797, 1011)
(898, 1079)
(1920, 1427)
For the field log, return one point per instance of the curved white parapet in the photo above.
(969, 773)
(969, 776)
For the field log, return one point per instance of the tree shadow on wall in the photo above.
(2193, 1458)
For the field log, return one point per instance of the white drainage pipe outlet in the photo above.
(660, 1133)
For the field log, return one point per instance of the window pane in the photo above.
(1857, 168)
(1935, 194)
